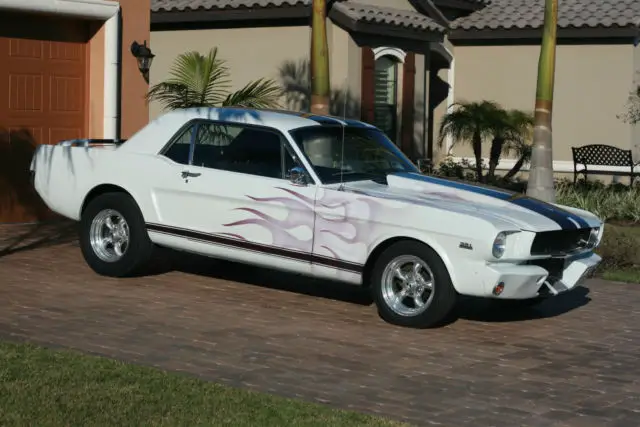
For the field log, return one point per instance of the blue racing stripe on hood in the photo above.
(560, 216)
(487, 191)
(565, 219)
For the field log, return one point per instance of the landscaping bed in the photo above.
(43, 387)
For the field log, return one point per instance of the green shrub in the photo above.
(620, 248)
(609, 202)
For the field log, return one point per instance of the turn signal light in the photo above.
(497, 289)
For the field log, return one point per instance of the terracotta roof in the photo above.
(529, 14)
(186, 5)
(383, 15)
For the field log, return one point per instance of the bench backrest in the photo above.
(601, 155)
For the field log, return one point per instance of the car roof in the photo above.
(277, 118)
(152, 137)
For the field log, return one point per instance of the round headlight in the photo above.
(499, 245)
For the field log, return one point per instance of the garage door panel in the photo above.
(65, 52)
(24, 48)
(26, 93)
(66, 94)
(43, 76)
(58, 134)
(26, 133)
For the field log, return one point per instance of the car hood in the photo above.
(496, 205)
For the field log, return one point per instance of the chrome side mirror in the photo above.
(298, 176)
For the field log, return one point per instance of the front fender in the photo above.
(446, 246)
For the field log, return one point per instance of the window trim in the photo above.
(288, 145)
(395, 108)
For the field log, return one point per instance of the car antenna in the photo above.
(344, 125)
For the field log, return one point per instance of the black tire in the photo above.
(140, 247)
(444, 295)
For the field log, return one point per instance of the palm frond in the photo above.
(195, 80)
(262, 93)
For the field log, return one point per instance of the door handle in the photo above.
(187, 174)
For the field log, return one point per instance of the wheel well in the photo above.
(371, 261)
(99, 191)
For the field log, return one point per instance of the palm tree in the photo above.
(197, 80)
(522, 150)
(320, 82)
(540, 183)
(510, 129)
(471, 122)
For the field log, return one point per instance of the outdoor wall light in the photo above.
(144, 56)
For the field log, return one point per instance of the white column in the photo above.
(111, 76)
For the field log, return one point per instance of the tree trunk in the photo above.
(540, 183)
(515, 169)
(320, 84)
(477, 152)
(494, 156)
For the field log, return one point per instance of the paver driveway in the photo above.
(574, 361)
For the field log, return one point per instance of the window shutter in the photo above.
(367, 89)
(408, 98)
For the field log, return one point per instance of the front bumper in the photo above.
(523, 281)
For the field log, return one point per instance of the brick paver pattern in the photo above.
(574, 361)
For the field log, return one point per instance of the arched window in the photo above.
(385, 99)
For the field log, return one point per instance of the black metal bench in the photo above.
(602, 155)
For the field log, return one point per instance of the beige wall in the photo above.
(345, 68)
(592, 83)
(253, 53)
(250, 53)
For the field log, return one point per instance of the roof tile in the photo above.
(384, 15)
(529, 14)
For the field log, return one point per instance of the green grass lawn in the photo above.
(43, 387)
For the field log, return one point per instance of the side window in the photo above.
(236, 148)
(179, 149)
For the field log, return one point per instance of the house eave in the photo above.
(201, 16)
(459, 4)
(464, 36)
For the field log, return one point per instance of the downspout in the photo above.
(112, 76)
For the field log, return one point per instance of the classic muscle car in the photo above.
(314, 195)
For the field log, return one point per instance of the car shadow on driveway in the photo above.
(167, 260)
(468, 308)
(487, 310)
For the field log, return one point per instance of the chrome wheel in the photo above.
(109, 235)
(407, 285)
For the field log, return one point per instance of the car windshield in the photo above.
(366, 153)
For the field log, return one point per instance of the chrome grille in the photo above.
(560, 242)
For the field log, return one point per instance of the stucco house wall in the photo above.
(591, 87)
(250, 53)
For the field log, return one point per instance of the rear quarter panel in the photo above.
(65, 176)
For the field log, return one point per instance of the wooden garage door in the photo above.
(43, 87)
